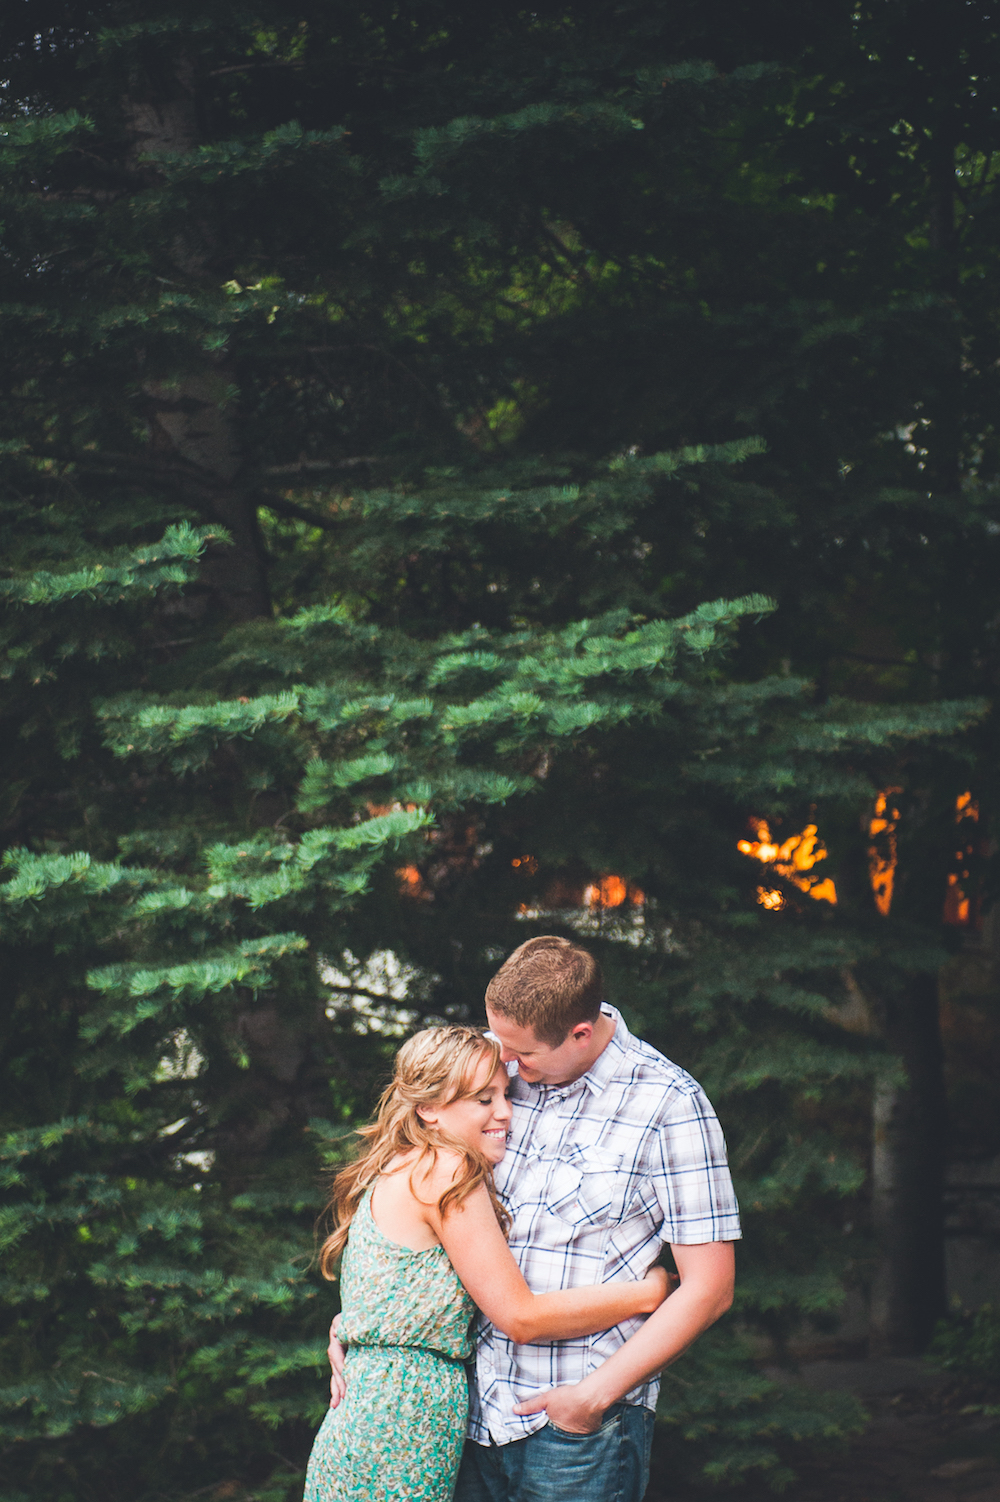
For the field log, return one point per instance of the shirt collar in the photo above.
(605, 1066)
(600, 1073)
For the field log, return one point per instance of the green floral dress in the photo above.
(397, 1436)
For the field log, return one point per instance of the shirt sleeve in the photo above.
(691, 1178)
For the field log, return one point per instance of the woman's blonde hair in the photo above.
(432, 1068)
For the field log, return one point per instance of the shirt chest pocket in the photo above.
(586, 1186)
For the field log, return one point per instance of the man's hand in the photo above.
(336, 1353)
(567, 1407)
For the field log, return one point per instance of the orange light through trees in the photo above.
(957, 907)
(612, 891)
(882, 857)
(882, 850)
(410, 881)
(603, 892)
(793, 860)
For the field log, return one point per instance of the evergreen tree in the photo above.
(323, 692)
(240, 964)
(861, 293)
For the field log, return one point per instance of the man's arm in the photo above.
(707, 1275)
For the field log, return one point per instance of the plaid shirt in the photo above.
(598, 1176)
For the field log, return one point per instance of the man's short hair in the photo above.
(548, 984)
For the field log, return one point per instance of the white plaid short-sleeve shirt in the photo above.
(598, 1176)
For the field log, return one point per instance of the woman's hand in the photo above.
(660, 1285)
(335, 1351)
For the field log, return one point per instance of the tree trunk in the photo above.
(265, 1108)
(908, 1160)
(190, 423)
(909, 1113)
(190, 420)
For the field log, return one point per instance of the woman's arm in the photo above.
(483, 1261)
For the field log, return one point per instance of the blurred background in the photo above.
(469, 472)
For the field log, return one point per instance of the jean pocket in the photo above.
(610, 1421)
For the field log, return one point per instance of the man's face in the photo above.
(539, 1063)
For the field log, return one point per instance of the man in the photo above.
(614, 1152)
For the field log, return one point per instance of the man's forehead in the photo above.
(525, 1034)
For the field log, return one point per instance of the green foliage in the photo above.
(339, 657)
(740, 1425)
(968, 1344)
(210, 965)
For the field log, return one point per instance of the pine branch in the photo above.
(298, 513)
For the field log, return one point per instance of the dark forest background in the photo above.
(468, 472)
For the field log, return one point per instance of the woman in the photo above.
(423, 1240)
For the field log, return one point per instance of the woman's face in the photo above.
(481, 1118)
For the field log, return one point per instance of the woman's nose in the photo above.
(503, 1110)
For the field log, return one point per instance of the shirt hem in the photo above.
(490, 1443)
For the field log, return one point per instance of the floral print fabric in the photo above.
(397, 1436)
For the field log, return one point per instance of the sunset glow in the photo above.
(958, 909)
(882, 852)
(793, 860)
(612, 891)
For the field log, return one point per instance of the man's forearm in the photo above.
(706, 1272)
(666, 1335)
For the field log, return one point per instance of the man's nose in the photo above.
(507, 1055)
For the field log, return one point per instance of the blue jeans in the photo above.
(610, 1465)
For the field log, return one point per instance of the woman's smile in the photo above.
(481, 1118)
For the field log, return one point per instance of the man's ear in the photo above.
(582, 1032)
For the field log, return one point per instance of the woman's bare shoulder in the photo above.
(439, 1170)
(447, 1169)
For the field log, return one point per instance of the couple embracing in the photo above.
(540, 1198)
